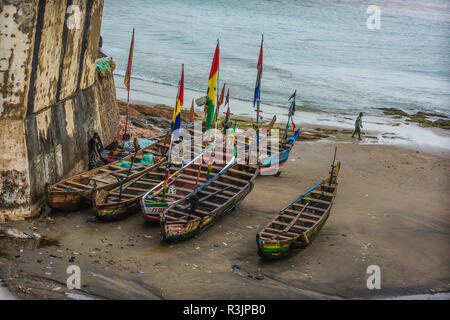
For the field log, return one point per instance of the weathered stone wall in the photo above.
(50, 96)
(108, 109)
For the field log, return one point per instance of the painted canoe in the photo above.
(300, 221)
(186, 179)
(271, 163)
(204, 205)
(114, 155)
(152, 204)
(123, 200)
(76, 192)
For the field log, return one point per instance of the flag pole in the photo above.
(257, 111)
(208, 100)
(289, 115)
(217, 92)
(127, 79)
(166, 177)
(126, 119)
(213, 153)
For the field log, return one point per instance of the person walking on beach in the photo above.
(358, 126)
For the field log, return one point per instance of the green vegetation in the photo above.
(394, 112)
(420, 118)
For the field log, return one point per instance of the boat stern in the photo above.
(178, 230)
(272, 250)
(151, 211)
(111, 212)
(65, 201)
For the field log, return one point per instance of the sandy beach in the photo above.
(83, 83)
(391, 210)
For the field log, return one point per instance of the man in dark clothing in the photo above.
(95, 146)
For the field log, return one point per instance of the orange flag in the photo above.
(127, 78)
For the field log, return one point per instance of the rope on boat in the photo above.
(302, 195)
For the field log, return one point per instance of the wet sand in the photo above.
(391, 210)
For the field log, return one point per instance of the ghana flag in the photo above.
(212, 82)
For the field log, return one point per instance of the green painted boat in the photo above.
(300, 221)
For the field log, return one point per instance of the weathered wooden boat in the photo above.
(76, 192)
(272, 162)
(301, 220)
(123, 201)
(153, 204)
(109, 156)
(202, 206)
(114, 155)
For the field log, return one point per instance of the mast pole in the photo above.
(287, 124)
(171, 142)
(332, 168)
(257, 112)
(216, 114)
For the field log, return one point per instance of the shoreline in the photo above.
(338, 127)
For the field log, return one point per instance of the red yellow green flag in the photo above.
(212, 82)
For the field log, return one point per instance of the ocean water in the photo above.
(323, 49)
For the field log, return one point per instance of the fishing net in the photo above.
(105, 66)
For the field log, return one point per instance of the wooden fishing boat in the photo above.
(76, 192)
(186, 181)
(124, 200)
(301, 220)
(153, 205)
(114, 155)
(109, 156)
(202, 206)
(272, 162)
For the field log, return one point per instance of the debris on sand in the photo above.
(22, 235)
(252, 275)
